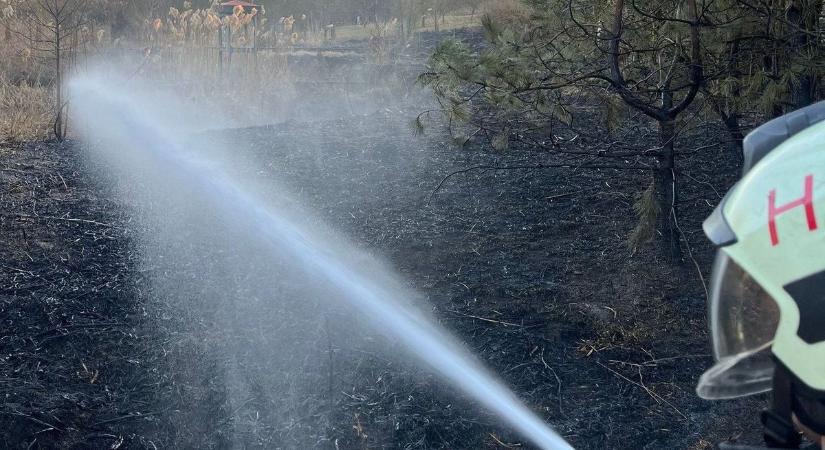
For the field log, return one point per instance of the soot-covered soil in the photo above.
(530, 268)
(86, 358)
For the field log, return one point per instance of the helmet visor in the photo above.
(743, 322)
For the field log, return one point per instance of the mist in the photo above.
(262, 273)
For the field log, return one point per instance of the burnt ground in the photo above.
(529, 268)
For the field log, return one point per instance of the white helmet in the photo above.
(767, 305)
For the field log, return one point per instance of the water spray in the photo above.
(129, 128)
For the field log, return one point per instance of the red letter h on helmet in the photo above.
(807, 201)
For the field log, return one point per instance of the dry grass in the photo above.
(25, 111)
(449, 22)
(702, 444)
(181, 57)
(510, 13)
(25, 99)
(456, 22)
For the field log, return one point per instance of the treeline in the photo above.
(41, 41)
(125, 18)
(737, 60)
(125, 15)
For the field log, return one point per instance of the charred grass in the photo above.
(531, 269)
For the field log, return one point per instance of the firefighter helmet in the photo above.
(767, 302)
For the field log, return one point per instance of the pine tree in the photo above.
(648, 58)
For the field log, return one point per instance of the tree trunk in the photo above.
(58, 121)
(666, 193)
(804, 93)
(804, 16)
(730, 120)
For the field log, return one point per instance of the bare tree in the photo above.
(52, 24)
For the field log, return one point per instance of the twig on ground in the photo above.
(33, 419)
(63, 180)
(501, 322)
(658, 398)
(568, 194)
(498, 441)
(67, 219)
(718, 195)
(126, 417)
(687, 242)
(558, 380)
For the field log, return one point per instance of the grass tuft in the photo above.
(25, 111)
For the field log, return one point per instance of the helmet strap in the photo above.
(778, 420)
